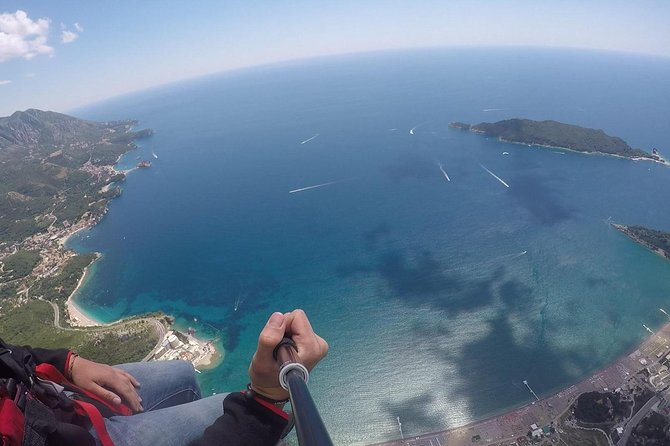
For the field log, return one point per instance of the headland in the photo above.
(65, 170)
(657, 241)
(558, 135)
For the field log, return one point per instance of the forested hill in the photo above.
(37, 129)
(53, 168)
(556, 134)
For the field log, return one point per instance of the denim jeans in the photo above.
(174, 414)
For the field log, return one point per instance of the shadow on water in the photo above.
(238, 295)
(420, 279)
(413, 412)
(375, 235)
(411, 166)
(541, 201)
(512, 361)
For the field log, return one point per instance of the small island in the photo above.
(558, 135)
(657, 241)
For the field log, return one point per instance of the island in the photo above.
(559, 135)
(657, 241)
(57, 176)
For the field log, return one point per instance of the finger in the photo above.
(124, 388)
(300, 325)
(105, 394)
(323, 344)
(132, 379)
(271, 335)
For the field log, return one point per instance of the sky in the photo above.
(59, 55)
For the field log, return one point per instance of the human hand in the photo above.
(109, 383)
(264, 369)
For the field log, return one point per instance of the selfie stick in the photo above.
(293, 376)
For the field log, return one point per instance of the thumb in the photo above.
(105, 394)
(272, 333)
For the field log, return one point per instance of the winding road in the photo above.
(159, 327)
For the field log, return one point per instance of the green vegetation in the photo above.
(18, 265)
(657, 240)
(653, 430)
(555, 134)
(59, 287)
(33, 324)
(43, 175)
(596, 407)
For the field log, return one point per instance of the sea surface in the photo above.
(437, 297)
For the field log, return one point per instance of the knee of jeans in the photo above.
(184, 373)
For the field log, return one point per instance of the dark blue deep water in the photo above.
(438, 298)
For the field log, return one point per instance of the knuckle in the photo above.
(267, 340)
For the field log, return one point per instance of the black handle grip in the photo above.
(308, 423)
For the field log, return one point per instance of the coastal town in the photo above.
(39, 266)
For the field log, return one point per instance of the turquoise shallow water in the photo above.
(438, 298)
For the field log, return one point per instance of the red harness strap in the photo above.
(11, 422)
(98, 422)
(47, 371)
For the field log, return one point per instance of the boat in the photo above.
(144, 164)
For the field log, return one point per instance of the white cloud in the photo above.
(69, 36)
(5, 82)
(20, 36)
(78, 27)
(30, 75)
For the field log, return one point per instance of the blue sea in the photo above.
(438, 298)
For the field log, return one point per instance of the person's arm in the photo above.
(244, 422)
(112, 384)
(253, 421)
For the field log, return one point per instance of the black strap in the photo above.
(40, 422)
(20, 372)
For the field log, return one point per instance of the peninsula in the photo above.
(57, 176)
(657, 241)
(558, 135)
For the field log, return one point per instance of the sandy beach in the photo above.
(77, 317)
(514, 423)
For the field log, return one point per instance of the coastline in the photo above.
(627, 232)
(662, 161)
(509, 424)
(78, 318)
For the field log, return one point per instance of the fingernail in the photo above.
(117, 400)
(276, 320)
(139, 398)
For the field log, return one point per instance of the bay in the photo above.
(437, 297)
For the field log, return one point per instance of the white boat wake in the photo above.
(492, 109)
(309, 139)
(444, 173)
(494, 176)
(413, 129)
(154, 154)
(312, 187)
